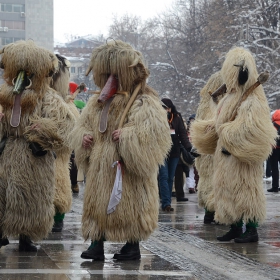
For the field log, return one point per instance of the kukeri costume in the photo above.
(63, 192)
(204, 163)
(241, 137)
(130, 214)
(32, 129)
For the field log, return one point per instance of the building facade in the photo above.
(27, 19)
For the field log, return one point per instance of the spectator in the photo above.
(167, 171)
(275, 156)
(192, 179)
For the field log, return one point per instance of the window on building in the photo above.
(9, 40)
(6, 41)
(12, 8)
(8, 8)
(73, 70)
(80, 70)
(20, 25)
(17, 8)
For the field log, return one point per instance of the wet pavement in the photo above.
(181, 248)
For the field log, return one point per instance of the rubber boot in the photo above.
(250, 235)
(26, 245)
(3, 241)
(95, 251)
(234, 232)
(209, 217)
(57, 226)
(130, 251)
(58, 222)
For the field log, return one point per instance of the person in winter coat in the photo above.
(274, 158)
(167, 171)
(124, 126)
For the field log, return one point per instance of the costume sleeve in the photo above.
(145, 138)
(251, 136)
(54, 124)
(204, 136)
(83, 126)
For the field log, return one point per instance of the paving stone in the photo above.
(181, 248)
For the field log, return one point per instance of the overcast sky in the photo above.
(83, 17)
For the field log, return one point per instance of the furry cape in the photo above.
(26, 181)
(63, 191)
(144, 143)
(249, 138)
(204, 163)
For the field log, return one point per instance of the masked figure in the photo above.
(120, 202)
(63, 191)
(204, 163)
(241, 137)
(32, 130)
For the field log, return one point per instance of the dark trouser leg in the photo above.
(196, 177)
(163, 185)
(268, 168)
(274, 159)
(179, 181)
(130, 251)
(172, 164)
(74, 174)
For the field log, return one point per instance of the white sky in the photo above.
(83, 17)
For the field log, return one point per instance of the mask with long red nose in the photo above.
(109, 89)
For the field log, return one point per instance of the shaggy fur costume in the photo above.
(144, 143)
(63, 191)
(249, 139)
(204, 163)
(26, 181)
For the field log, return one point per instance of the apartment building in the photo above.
(27, 19)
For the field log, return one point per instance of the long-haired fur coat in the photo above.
(26, 181)
(144, 143)
(249, 139)
(63, 191)
(204, 163)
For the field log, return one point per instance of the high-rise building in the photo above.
(27, 19)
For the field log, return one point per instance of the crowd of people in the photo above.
(132, 146)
